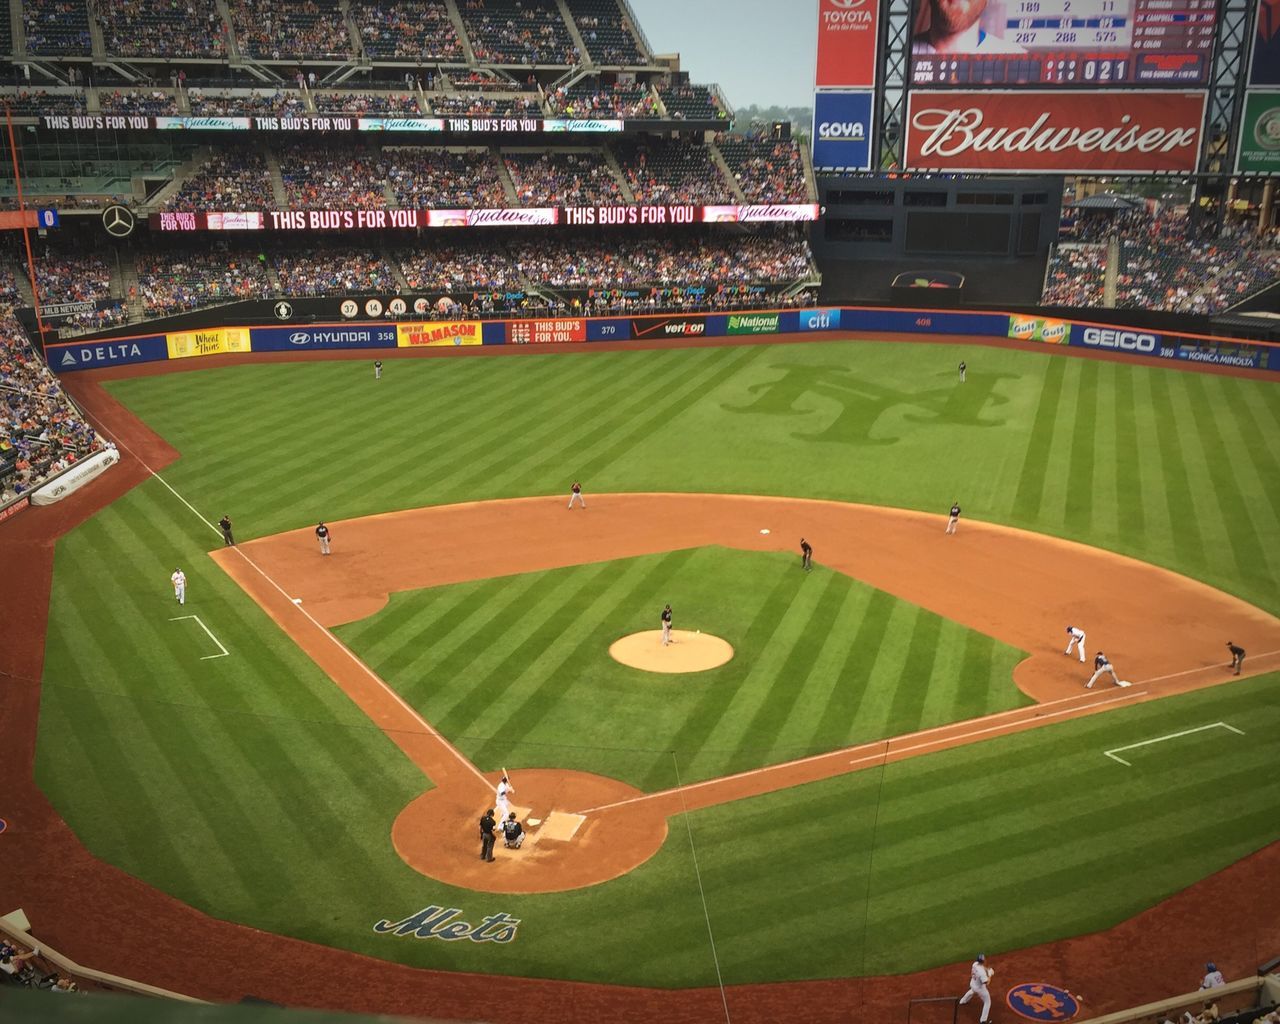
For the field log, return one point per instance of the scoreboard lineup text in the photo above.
(1087, 42)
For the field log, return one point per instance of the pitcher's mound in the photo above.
(688, 652)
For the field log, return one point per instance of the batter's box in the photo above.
(561, 826)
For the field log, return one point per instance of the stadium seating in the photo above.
(331, 179)
(1077, 274)
(766, 171)
(153, 102)
(589, 98)
(360, 103)
(476, 105)
(691, 102)
(56, 27)
(176, 280)
(606, 32)
(289, 29)
(333, 271)
(167, 28)
(580, 178)
(418, 30)
(439, 179)
(459, 267)
(36, 102)
(207, 103)
(509, 32)
(234, 178)
(673, 172)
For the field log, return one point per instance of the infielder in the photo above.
(505, 789)
(179, 579)
(666, 625)
(1076, 637)
(322, 535)
(1102, 666)
(955, 515)
(806, 555)
(575, 494)
(1237, 656)
(979, 975)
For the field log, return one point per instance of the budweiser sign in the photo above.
(1069, 132)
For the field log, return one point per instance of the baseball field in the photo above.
(897, 768)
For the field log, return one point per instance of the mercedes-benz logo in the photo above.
(284, 311)
(119, 221)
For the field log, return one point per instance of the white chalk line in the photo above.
(1033, 710)
(1205, 668)
(1172, 736)
(320, 626)
(200, 623)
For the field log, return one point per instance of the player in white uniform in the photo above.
(979, 975)
(179, 579)
(1077, 637)
(1212, 976)
(505, 789)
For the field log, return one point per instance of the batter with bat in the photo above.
(505, 789)
(979, 975)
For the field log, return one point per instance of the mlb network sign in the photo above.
(842, 130)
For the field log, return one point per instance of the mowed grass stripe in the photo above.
(1130, 507)
(841, 712)
(1175, 486)
(1039, 447)
(1080, 497)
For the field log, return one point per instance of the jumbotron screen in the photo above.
(967, 43)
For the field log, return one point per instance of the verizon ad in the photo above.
(382, 220)
(847, 34)
(1081, 132)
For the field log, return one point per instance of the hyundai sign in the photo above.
(842, 130)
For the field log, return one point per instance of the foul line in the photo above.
(1204, 668)
(1032, 710)
(315, 622)
(702, 893)
(1172, 736)
(201, 624)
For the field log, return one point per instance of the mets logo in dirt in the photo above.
(1038, 1001)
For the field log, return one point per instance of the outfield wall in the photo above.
(375, 335)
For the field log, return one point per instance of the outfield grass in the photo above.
(821, 661)
(249, 787)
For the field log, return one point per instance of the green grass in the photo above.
(251, 788)
(821, 661)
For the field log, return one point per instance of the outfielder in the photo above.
(505, 789)
(1102, 666)
(1077, 637)
(179, 579)
(979, 975)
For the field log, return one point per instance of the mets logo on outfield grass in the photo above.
(445, 923)
(1037, 1001)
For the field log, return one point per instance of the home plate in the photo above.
(764, 531)
(561, 825)
(534, 821)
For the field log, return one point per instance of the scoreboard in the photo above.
(1069, 42)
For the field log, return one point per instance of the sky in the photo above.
(759, 51)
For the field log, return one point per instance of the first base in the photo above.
(1123, 682)
(297, 600)
(764, 531)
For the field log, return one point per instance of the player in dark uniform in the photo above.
(963, 366)
(487, 836)
(322, 535)
(227, 539)
(955, 515)
(377, 369)
(666, 625)
(512, 832)
(1237, 656)
(806, 555)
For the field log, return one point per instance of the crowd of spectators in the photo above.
(506, 32)
(38, 102)
(1077, 275)
(280, 102)
(563, 179)
(459, 267)
(155, 103)
(333, 271)
(390, 104)
(606, 32)
(766, 171)
(287, 29)
(175, 280)
(324, 179)
(41, 434)
(233, 178)
(440, 179)
(418, 30)
(162, 28)
(66, 278)
(591, 99)
(477, 105)
(8, 285)
(673, 172)
(691, 103)
(57, 28)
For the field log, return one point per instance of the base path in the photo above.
(1021, 588)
